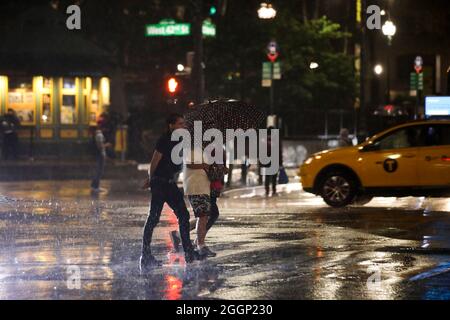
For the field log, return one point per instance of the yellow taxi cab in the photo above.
(411, 159)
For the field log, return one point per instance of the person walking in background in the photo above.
(344, 139)
(9, 125)
(100, 146)
(270, 180)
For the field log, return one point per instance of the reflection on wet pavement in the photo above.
(286, 247)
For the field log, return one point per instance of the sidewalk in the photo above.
(24, 170)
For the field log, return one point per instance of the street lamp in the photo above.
(266, 11)
(389, 29)
(313, 65)
(378, 69)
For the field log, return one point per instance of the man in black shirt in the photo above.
(162, 182)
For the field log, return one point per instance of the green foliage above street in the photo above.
(234, 62)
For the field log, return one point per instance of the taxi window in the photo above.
(437, 135)
(404, 138)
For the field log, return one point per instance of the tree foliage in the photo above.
(332, 84)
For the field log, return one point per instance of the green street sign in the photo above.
(277, 71)
(169, 28)
(208, 29)
(413, 81)
(420, 81)
(267, 73)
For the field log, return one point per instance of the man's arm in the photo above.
(157, 156)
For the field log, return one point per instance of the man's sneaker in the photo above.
(147, 262)
(175, 240)
(192, 256)
(206, 252)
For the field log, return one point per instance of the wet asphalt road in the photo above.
(286, 247)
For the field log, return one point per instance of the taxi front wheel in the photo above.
(338, 189)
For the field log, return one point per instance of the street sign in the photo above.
(168, 28)
(277, 71)
(266, 73)
(266, 83)
(416, 81)
(418, 64)
(413, 81)
(420, 81)
(272, 51)
(208, 29)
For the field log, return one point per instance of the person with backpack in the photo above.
(100, 146)
(271, 180)
(9, 125)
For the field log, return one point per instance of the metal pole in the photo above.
(198, 75)
(271, 88)
(418, 99)
(388, 76)
(362, 113)
(31, 143)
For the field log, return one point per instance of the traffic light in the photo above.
(172, 85)
(212, 10)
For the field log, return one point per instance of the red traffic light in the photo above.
(172, 85)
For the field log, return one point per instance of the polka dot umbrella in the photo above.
(225, 114)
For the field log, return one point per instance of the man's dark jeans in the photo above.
(10, 146)
(98, 171)
(271, 180)
(165, 191)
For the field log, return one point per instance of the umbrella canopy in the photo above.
(225, 114)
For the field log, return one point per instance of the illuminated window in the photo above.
(87, 88)
(46, 111)
(46, 100)
(47, 83)
(69, 108)
(21, 99)
(95, 108)
(69, 83)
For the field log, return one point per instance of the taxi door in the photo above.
(391, 160)
(434, 157)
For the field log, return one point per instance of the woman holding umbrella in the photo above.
(220, 115)
(216, 173)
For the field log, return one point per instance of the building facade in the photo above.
(56, 81)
